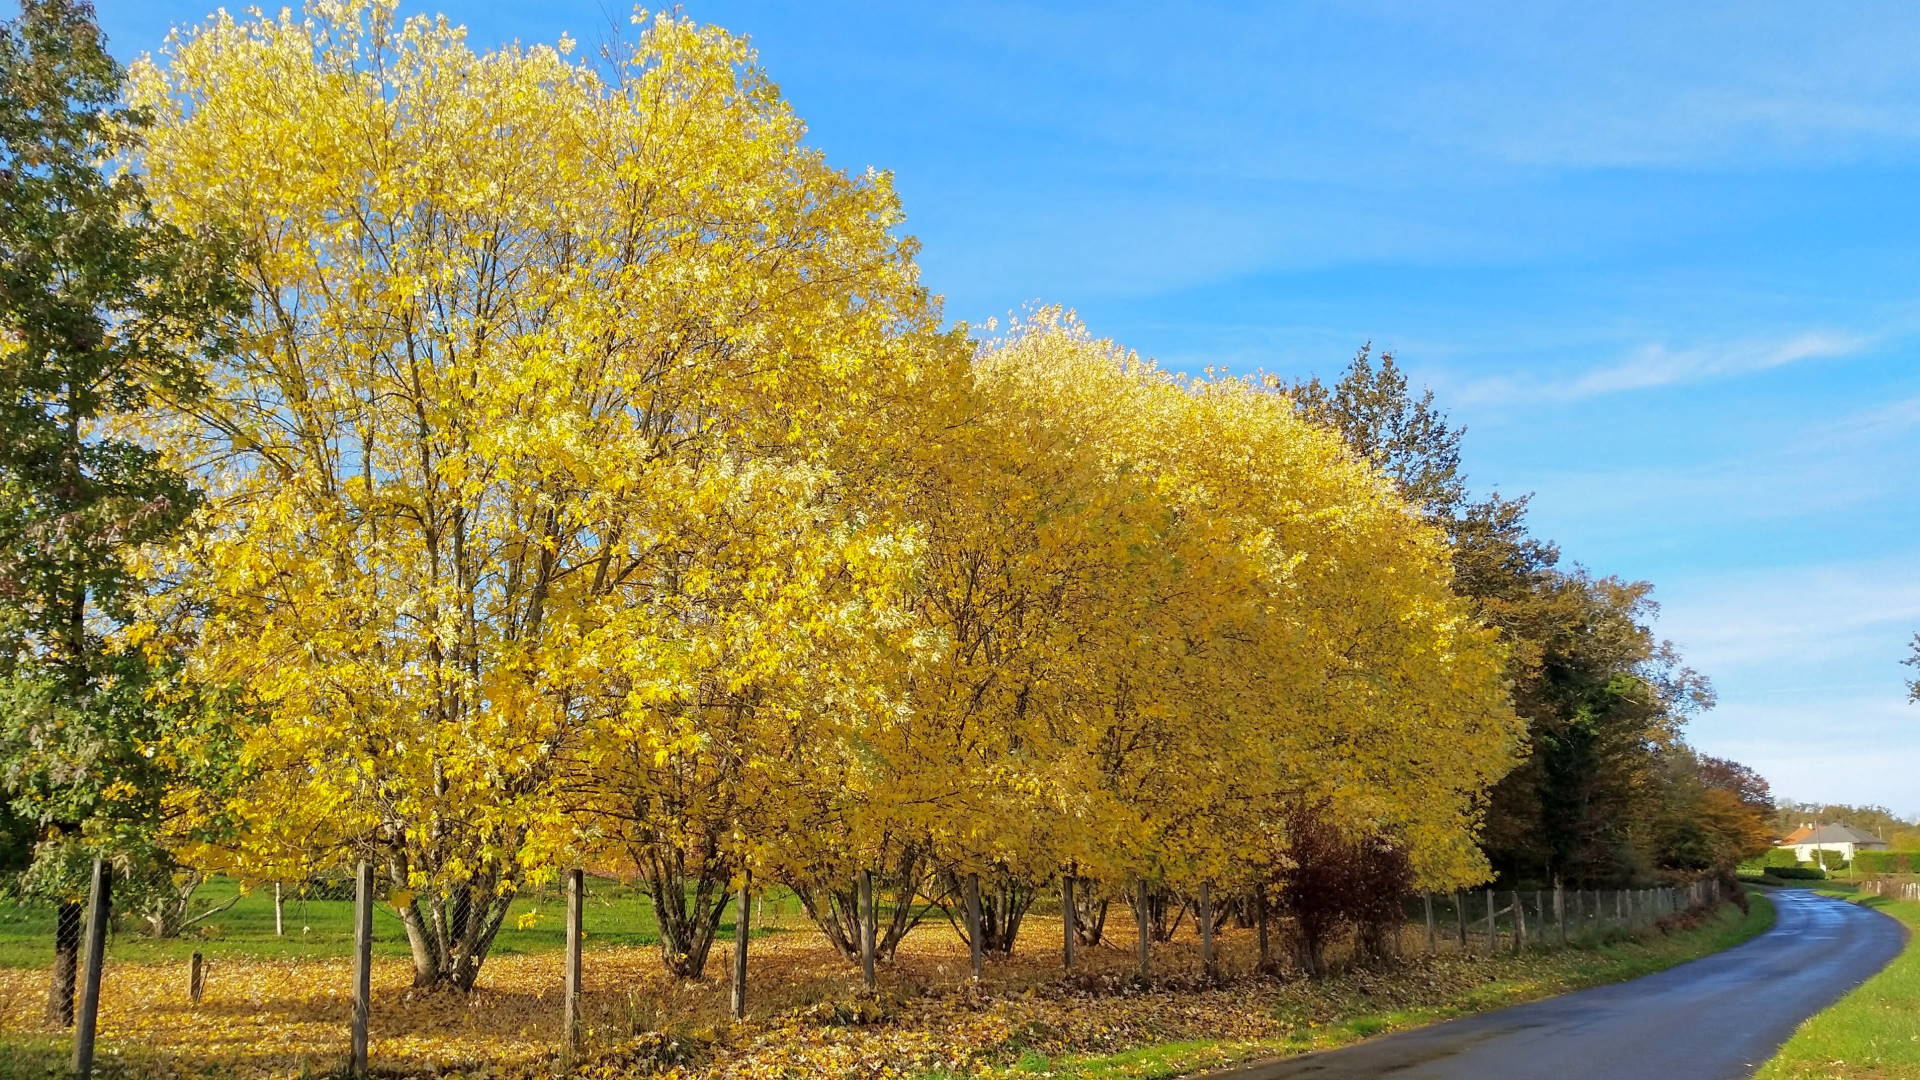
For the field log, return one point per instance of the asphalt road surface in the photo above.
(1716, 1018)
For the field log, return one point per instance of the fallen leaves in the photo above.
(273, 1019)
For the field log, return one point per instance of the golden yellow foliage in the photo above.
(592, 485)
(528, 448)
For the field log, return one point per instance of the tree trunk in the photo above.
(835, 908)
(688, 923)
(449, 931)
(1165, 910)
(1090, 920)
(66, 964)
(171, 909)
(1004, 901)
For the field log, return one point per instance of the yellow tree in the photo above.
(1300, 643)
(761, 623)
(1154, 615)
(536, 360)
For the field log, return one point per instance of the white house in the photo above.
(1844, 839)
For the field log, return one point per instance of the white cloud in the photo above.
(1807, 661)
(1767, 622)
(1869, 425)
(1846, 750)
(1658, 365)
(1693, 86)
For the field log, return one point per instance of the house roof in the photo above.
(1796, 835)
(1839, 834)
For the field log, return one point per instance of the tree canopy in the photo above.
(574, 471)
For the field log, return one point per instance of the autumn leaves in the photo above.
(594, 485)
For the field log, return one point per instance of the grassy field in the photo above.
(318, 929)
(1872, 1033)
(1322, 1022)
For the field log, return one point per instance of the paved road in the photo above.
(1716, 1018)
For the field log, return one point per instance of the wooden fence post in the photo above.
(1493, 939)
(99, 907)
(1560, 909)
(570, 977)
(1519, 921)
(362, 964)
(1460, 916)
(742, 926)
(1140, 919)
(196, 978)
(1266, 937)
(1069, 919)
(976, 947)
(1205, 914)
(868, 977)
(1426, 902)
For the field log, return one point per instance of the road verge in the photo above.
(1343, 1010)
(1874, 1032)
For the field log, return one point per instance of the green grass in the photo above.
(615, 915)
(1874, 1032)
(1502, 981)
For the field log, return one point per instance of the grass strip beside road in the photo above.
(1346, 1010)
(1874, 1032)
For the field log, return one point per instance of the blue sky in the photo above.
(1664, 264)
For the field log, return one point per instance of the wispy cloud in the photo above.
(1768, 625)
(1794, 476)
(1870, 425)
(1807, 659)
(1657, 365)
(1847, 749)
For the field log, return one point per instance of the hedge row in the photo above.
(1783, 873)
(1886, 862)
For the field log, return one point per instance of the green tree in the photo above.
(1789, 814)
(1601, 694)
(1712, 813)
(1913, 685)
(101, 309)
(1495, 560)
